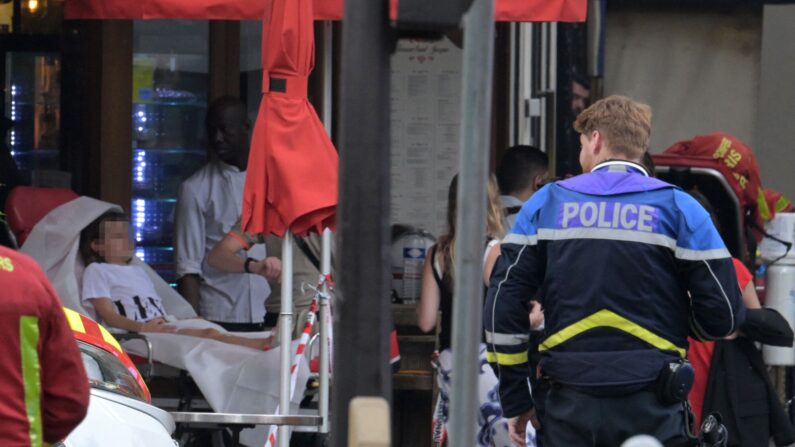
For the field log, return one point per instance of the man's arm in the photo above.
(189, 245)
(64, 400)
(709, 274)
(516, 277)
(188, 287)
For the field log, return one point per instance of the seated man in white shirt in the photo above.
(522, 171)
(208, 205)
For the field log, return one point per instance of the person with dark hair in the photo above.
(122, 294)
(522, 171)
(648, 162)
(208, 205)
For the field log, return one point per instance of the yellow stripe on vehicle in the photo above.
(74, 320)
(110, 339)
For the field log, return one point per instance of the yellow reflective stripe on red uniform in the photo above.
(31, 375)
(781, 204)
(607, 318)
(507, 359)
(75, 320)
(761, 204)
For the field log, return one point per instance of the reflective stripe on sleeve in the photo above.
(507, 359)
(31, 375)
(506, 339)
(520, 239)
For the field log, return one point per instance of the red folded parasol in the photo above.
(291, 180)
(506, 10)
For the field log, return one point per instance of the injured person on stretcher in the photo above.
(124, 297)
(231, 378)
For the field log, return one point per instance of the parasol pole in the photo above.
(285, 334)
(478, 60)
(325, 265)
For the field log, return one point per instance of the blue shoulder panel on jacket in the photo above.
(697, 231)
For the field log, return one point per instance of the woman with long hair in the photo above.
(437, 295)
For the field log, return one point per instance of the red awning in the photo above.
(507, 10)
(291, 180)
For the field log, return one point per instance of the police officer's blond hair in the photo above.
(625, 125)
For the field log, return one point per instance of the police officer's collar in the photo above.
(621, 166)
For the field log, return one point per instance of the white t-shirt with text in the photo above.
(128, 286)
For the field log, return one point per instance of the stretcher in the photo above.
(234, 380)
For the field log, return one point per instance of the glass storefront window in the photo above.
(170, 81)
(33, 103)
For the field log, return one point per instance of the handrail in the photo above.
(245, 419)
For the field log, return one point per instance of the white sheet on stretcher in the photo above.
(232, 378)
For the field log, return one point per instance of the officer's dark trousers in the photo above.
(576, 419)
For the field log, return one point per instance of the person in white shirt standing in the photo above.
(522, 171)
(208, 205)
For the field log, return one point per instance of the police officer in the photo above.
(626, 266)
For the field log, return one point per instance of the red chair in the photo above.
(27, 205)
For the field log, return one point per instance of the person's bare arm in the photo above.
(107, 313)
(750, 298)
(428, 309)
(188, 287)
(488, 265)
(224, 256)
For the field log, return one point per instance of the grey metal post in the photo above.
(326, 252)
(471, 218)
(363, 318)
(286, 335)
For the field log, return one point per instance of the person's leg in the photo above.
(570, 418)
(641, 413)
(254, 343)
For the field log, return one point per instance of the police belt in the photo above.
(607, 372)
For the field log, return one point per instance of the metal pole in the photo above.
(324, 354)
(286, 334)
(476, 105)
(325, 265)
(362, 306)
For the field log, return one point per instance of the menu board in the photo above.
(425, 117)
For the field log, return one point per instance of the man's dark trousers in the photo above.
(576, 419)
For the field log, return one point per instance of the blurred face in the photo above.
(579, 98)
(114, 243)
(227, 133)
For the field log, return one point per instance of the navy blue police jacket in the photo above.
(625, 265)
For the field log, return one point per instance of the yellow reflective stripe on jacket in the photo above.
(31, 375)
(761, 203)
(781, 204)
(607, 318)
(507, 359)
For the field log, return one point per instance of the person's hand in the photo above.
(517, 426)
(270, 268)
(732, 336)
(157, 325)
(536, 315)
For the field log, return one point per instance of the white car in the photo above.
(119, 412)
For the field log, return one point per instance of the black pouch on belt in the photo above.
(674, 382)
